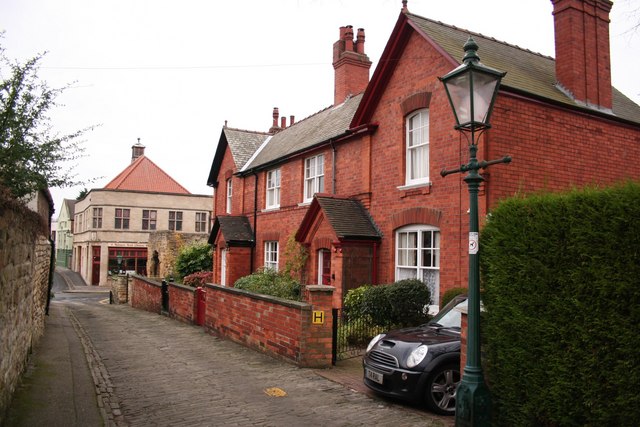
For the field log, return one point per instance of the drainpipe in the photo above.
(375, 263)
(255, 221)
(333, 167)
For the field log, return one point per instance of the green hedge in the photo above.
(561, 278)
(270, 282)
(403, 303)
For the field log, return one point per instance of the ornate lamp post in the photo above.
(472, 89)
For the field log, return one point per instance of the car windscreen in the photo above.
(450, 318)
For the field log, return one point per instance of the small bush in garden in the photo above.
(408, 299)
(270, 282)
(354, 302)
(399, 304)
(198, 279)
(194, 258)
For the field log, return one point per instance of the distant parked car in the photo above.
(419, 364)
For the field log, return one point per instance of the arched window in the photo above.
(418, 256)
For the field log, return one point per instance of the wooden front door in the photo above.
(95, 265)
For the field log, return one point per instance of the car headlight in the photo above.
(417, 356)
(374, 341)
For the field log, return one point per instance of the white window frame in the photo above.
(313, 176)
(414, 252)
(417, 147)
(229, 195)
(271, 254)
(273, 189)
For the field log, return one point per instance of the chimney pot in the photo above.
(351, 65)
(292, 120)
(360, 41)
(283, 122)
(348, 39)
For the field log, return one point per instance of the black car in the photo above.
(419, 364)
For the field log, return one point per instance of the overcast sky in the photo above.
(171, 72)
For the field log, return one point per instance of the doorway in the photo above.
(324, 267)
(95, 265)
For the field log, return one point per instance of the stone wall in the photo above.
(25, 257)
(167, 244)
(118, 284)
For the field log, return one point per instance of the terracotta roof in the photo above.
(329, 123)
(236, 231)
(527, 71)
(144, 175)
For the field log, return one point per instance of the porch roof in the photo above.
(236, 231)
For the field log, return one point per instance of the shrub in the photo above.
(408, 299)
(194, 258)
(354, 302)
(560, 275)
(198, 279)
(270, 282)
(399, 304)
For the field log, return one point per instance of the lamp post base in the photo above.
(473, 401)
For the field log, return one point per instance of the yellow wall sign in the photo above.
(317, 317)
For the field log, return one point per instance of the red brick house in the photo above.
(358, 183)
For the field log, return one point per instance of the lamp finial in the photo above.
(470, 51)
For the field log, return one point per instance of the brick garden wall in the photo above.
(280, 328)
(146, 294)
(182, 302)
(25, 257)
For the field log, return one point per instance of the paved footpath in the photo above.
(149, 370)
(157, 371)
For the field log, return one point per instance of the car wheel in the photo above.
(440, 394)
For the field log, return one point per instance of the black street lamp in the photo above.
(472, 89)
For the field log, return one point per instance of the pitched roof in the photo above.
(349, 219)
(71, 205)
(528, 72)
(144, 175)
(236, 231)
(329, 123)
(242, 143)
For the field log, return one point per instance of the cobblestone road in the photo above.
(154, 371)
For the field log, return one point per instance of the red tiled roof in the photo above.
(144, 175)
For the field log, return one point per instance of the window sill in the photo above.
(271, 209)
(304, 203)
(415, 189)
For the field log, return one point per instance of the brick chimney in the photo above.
(351, 65)
(137, 150)
(583, 65)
